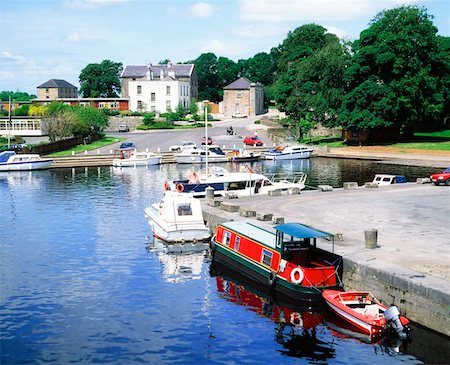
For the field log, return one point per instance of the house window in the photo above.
(153, 108)
(152, 97)
(237, 242)
(167, 90)
(139, 105)
(168, 105)
(46, 90)
(226, 238)
(239, 94)
(139, 89)
(266, 258)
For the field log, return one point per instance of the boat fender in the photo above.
(297, 272)
(212, 244)
(180, 188)
(272, 278)
(166, 186)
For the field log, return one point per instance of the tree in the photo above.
(399, 74)
(101, 80)
(16, 96)
(88, 119)
(58, 125)
(206, 66)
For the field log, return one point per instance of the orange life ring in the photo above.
(294, 273)
(180, 188)
(166, 186)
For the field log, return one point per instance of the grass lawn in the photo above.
(88, 147)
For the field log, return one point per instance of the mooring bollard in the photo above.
(209, 195)
(371, 236)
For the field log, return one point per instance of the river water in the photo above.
(81, 283)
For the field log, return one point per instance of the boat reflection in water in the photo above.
(295, 327)
(180, 263)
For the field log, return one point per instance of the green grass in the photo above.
(88, 147)
(432, 146)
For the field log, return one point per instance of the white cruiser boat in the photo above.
(132, 158)
(289, 152)
(200, 155)
(11, 161)
(239, 183)
(178, 218)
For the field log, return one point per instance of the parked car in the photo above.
(238, 115)
(127, 145)
(124, 128)
(209, 140)
(182, 146)
(252, 141)
(442, 177)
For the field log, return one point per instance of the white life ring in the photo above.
(294, 273)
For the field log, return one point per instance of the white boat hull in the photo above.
(287, 156)
(188, 159)
(133, 163)
(26, 166)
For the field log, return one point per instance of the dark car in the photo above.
(252, 141)
(127, 145)
(209, 140)
(442, 177)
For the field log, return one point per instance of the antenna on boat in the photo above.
(9, 123)
(206, 138)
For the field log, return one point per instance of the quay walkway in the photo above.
(410, 265)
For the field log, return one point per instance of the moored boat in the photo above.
(365, 312)
(243, 155)
(246, 183)
(287, 260)
(388, 179)
(178, 218)
(132, 158)
(11, 161)
(290, 152)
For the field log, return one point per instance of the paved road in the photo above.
(162, 139)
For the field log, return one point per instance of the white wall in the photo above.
(179, 92)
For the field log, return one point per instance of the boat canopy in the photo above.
(301, 231)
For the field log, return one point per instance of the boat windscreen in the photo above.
(4, 156)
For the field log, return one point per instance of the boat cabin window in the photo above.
(237, 185)
(226, 238)
(267, 183)
(184, 209)
(237, 242)
(266, 258)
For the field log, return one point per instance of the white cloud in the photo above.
(201, 10)
(5, 75)
(220, 48)
(341, 33)
(258, 30)
(6, 56)
(77, 37)
(90, 4)
(274, 11)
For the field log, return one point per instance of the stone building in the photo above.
(243, 98)
(159, 88)
(56, 89)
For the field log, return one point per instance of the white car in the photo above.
(185, 145)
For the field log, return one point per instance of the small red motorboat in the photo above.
(364, 311)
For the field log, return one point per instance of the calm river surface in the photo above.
(81, 284)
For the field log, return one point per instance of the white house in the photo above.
(159, 88)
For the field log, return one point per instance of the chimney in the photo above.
(161, 73)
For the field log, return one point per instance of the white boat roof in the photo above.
(252, 231)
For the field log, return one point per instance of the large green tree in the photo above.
(101, 80)
(16, 96)
(399, 76)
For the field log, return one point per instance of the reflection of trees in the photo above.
(302, 343)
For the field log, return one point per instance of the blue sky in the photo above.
(45, 39)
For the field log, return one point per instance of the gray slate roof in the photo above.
(181, 70)
(240, 84)
(55, 83)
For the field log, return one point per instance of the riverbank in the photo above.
(409, 267)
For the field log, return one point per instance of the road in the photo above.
(162, 139)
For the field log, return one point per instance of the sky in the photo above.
(56, 39)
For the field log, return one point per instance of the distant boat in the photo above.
(201, 155)
(243, 155)
(11, 161)
(178, 218)
(289, 152)
(387, 179)
(132, 158)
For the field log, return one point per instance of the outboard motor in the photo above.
(392, 316)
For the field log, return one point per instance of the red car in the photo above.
(442, 177)
(252, 141)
